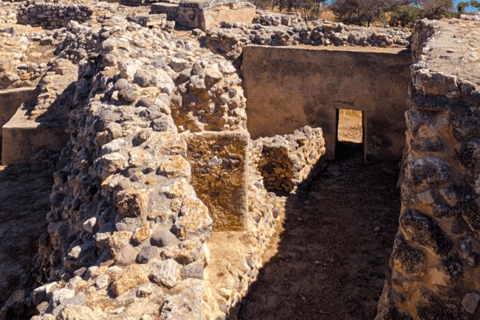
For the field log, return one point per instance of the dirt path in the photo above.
(334, 251)
(24, 202)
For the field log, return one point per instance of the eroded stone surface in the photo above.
(436, 249)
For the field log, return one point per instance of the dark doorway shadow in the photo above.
(333, 254)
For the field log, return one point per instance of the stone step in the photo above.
(22, 137)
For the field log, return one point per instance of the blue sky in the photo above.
(469, 9)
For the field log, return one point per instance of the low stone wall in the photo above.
(53, 15)
(433, 272)
(285, 30)
(291, 87)
(288, 160)
(8, 12)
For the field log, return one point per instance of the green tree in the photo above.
(364, 11)
(405, 15)
(461, 6)
(436, 9)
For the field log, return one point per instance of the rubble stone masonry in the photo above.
(433, 270)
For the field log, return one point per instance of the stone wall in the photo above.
(52, 15)
(206, 14)
(288, 88)
(433, 270)
(128, 232)
(286, 30)
(288, 160)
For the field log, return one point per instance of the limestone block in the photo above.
(219, 176)
(11, 100)
(22, 138)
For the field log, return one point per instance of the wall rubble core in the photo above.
(288, 160)
(433, 270)
(128, 231)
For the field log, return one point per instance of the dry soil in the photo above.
(24, 203)
(337, 239)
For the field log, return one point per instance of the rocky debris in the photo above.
(56, 90)
(26, 56)
(436, 248)
(288, 30)
(53, 15)
(8, 12)
(288, 160)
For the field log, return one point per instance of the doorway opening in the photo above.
(350, 137)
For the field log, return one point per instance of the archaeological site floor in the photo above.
(24, 203)
(334, 251)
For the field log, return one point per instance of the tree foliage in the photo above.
(364, 11)
(292, 5)
(405, 16)
(436, 9)
(461, 6)
(403, 12)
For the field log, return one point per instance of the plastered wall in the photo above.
(290, 87)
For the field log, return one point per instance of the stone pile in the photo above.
(8, 12)
(25, 56)
(230, 38)
(127, 230)
(52, 15)
(288, 160)
(435, 259)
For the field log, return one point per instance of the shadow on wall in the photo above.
(334, 250)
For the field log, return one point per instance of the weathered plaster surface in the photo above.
(290, 87)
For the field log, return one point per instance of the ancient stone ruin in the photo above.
(177, 155)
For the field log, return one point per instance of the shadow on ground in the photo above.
(24, 203)
(333, 254)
